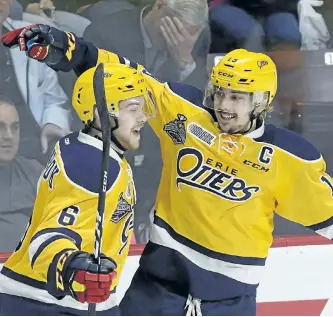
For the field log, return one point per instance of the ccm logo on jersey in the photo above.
(192, 171)
(265, 158)
(51, 170)
(201, 134)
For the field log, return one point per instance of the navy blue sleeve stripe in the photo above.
(321, 225)
(46, 243)
(85, 52)
(62, 231)
(22, 278)
(212, 254)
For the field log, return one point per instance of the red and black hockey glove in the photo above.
(76, 274)
(43, 43)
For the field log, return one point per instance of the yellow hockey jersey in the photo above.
(214, 212)
(64, 217)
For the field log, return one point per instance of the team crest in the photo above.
(123, 209)
(261, 64)
(176, 129)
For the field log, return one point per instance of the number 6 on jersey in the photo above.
(68, 216)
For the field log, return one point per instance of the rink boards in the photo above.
(298, 279)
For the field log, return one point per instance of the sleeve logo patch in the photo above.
(123, 208)
(176, 129)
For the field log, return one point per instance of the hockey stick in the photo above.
(103, 113)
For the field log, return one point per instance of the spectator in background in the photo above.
(171, 38)
(18, 179)
(257, 25)
(36, 92)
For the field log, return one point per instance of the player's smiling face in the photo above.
(131, 120)
(232, 109)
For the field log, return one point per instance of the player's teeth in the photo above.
(227, 116)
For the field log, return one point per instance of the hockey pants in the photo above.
(11, 305)
(149, 297)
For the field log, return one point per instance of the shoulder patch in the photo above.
(201, 133)
(82, 164)
(123, 208)
(290, 141)
(176, 130)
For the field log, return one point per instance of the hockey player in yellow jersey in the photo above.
(224, 174)
(52, 271)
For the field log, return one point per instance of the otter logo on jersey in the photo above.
(176, 129)
(193, 172)
(123, 208)
(201, 134)
(51, 170)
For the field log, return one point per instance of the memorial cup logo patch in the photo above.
(123, 208)
(176, 129)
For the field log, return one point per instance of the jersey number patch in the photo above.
(68, 216)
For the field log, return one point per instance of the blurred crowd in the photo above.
(176, 40)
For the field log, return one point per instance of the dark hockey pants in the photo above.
(20, 306)
(149, 297)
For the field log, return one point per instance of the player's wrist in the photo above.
(57, 284)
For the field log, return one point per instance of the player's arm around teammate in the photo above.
(239, 98)
(64, 51)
